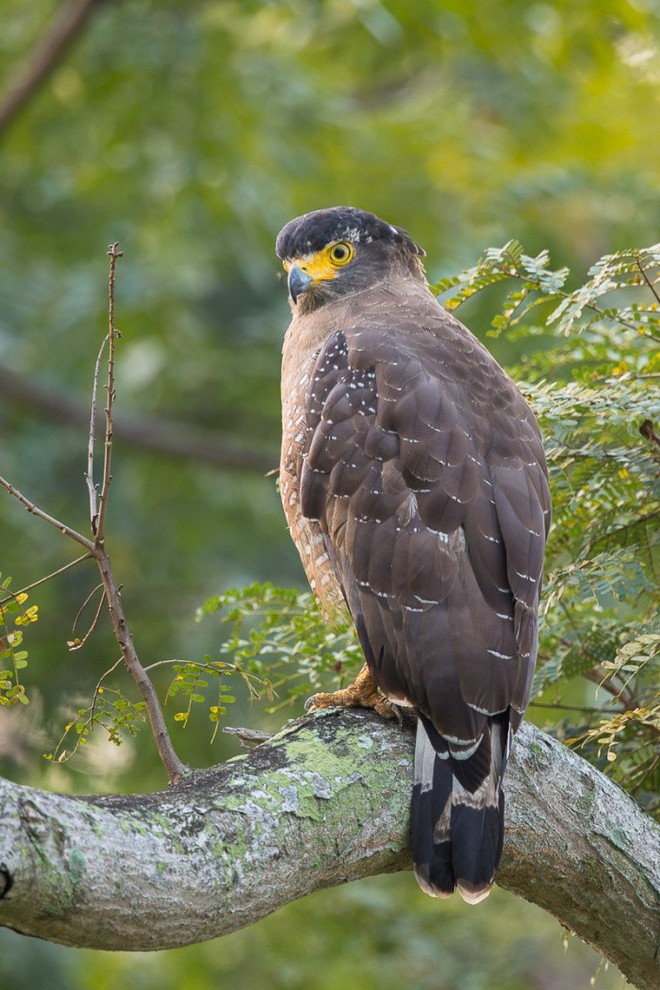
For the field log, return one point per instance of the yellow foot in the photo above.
(362, 693)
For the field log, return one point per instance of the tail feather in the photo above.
(477, 853)
(431, 796)
(458, 810)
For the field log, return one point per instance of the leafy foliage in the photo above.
(13, 619)
(279, 647)
(110, 710)
(597, 417)
(537, 283)
(290, 647)
(190, 683)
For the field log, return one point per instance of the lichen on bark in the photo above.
(323, 802)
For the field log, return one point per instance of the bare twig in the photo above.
(111, 590)
(45, 58)
(35, 584)
(175, 768)
(89, 474)
(40, 514)
(172, 763)
(77, 643)
(646, 278)
(113, 333)
(558, 706)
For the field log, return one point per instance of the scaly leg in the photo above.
(362, 693)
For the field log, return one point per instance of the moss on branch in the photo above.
(323, 802)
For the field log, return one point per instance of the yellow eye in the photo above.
(340, 253)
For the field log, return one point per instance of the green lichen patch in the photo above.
(619, 839)
(76, 865)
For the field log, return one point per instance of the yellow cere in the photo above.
(324, 264)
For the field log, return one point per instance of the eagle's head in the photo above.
(329, 254)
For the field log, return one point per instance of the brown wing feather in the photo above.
(423, 466)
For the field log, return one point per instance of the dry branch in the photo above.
(96, 547)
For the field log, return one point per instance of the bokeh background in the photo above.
(191, 132)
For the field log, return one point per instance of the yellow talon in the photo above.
(362, 693)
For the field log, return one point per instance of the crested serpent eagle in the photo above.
(415, 489)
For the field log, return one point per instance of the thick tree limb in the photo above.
(323, 802)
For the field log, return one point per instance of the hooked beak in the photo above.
(299, 282)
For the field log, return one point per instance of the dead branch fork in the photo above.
(95, 547)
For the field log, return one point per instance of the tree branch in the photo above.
(173, 765)
(43, 61)
(111, 591)
(162, 436)
(12, 596)
(324, 802)
(98, 524)
(45, 517)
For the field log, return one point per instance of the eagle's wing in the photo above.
(424, 469)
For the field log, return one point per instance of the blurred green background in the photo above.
(191, 133)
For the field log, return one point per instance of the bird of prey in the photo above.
(415, 488)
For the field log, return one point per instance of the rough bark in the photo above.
(323, 802)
